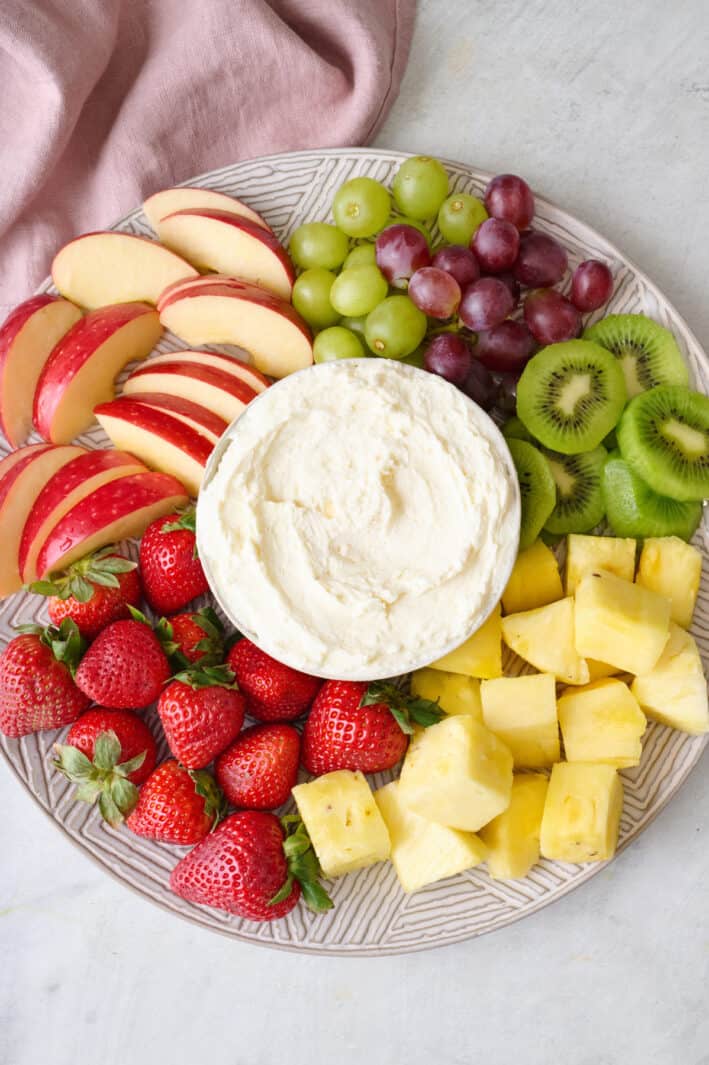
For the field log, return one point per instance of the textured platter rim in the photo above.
(207, 918)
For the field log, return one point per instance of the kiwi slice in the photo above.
(647, 352)
(514, 429)
(633, 509)
(664, 437)
(579, 500)
(571, 395)
(537, 489)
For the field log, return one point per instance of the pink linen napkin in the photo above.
(107, 101)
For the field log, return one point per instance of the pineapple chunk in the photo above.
(584, 554)
(598, 670)
(675, 691)
(457, 774)
(672, 568)
(602, 723)
(581, 813)
(545, 638)
(513, 837)
(423, 852)
(480, 655)
(620, 623)
(343, 821)
(535, 580)
(521, 711)
(455, 693)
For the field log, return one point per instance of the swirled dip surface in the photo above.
(360, 519)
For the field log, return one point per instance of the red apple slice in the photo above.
(72, 483)
(186, 282)
(245, 315)
(20, 486)
(101, 268)
(82, 368)
(195, 415)
(161, 204)
(118, 510)
(222, 393)
(159, 439)
(215, 359)
(27, 338)
(216, 240)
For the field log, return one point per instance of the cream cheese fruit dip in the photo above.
(362, 520)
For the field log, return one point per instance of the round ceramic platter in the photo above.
(372, 916)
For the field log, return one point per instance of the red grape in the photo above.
(512, 283)
(506, 347)
(591, 285)
(485, 303)
(480, 386)
(541, 261)
(401, 251)
(507, 393)
(495, 244)
(551, 317)
(434, 292)
(448, 355)
(459, 262)
(510, 198)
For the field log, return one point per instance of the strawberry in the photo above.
(260, 768)
(273, 691)
(353, 725)
(193, 637)
(93, 592)
(253, 865)
(37, 689)
(125, 667)
(176, 805)
(201, 712)
(172, 573)
(107, 754)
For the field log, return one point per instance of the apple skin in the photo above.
(16, 424)
(205, 280)
(160, 424)
(216, 359)
(217, 378)
(236, 288)
(195, 412)
(183, 197)
(101, 517)
(81, 475)
(79, 347)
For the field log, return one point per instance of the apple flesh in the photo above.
(101, 268)
(21, 481)
(69, 485)
(235, 312)
(160, 440)
(27, 338)
(222, 393)
(161, 204)
(223, 242)
(204, 281)
(194, 415)
(82, 368)
(228, 363)
(120, 509)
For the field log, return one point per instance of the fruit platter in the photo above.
(353, 535)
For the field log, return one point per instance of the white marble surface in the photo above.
(604, 107)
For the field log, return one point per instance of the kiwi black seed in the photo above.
(664, 437)
(633, 509)
(647, 352)
(537, 489)
(570, 396)
(579, 499)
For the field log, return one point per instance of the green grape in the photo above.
(337, 343)
(318, 244)
(402, 220)
(361, 207)
(311, 297)
(420, 187)
(395, 328)
(459, 217)
(415, 358)
(358, 290)
(355, 324)
(362, 255)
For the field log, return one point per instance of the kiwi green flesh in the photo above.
(664, 437)
(537, 489)
(571, 395)
(579, 501)
(647, 352)
(633, 509)
(515, 429)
